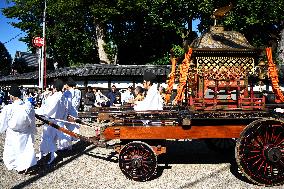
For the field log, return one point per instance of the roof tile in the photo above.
(96, 69)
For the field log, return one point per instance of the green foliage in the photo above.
(165, 60)
(178, 52)
(5, 60)
(143, 30)
(111, 51)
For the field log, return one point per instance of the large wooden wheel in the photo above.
(260, 152)
(138, 161)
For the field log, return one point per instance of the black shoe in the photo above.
(23, 171)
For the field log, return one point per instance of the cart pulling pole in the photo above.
(73, 120)
(79, 121)
(94, 140)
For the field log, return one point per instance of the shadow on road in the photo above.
(42, 169)
(112, 157)
(237, 173)
(197, 152)
(178, 152)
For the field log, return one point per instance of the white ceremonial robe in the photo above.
(18, 119)
(74, 102)
(152, 101)
(126, 96)
(72, 96)
(78, 95)
(56, 107)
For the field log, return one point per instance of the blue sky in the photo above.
(8, 32)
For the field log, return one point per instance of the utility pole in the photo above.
(43, 51)
(39, 52)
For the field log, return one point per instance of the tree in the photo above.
(71, 32)
(143, 30)
(281, 48)
(5, 60)
(138, 31)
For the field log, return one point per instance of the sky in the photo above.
(7, 32)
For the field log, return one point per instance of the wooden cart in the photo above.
(215, 101)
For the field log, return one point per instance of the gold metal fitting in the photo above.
(261, 63)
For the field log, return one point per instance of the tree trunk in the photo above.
(281, 48)
(103, 56)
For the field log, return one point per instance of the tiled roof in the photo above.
(117, 70)
(30, 58)
(24, 76)
(95, 70)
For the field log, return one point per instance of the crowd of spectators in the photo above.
(113, 98)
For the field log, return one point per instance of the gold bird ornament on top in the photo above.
(221, 12)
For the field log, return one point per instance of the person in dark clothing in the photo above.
(6, 98)
(31, 99)
(117, 101)
(112, 94)
(1, 96)
(89, 100)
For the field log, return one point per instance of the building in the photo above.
(95, 75)
(30, 59)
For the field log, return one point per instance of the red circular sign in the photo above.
(38, 42)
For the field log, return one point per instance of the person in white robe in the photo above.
(55, 107)
(46, 94)
(73, 98)
(101, 99)
(18, 120)
(78, 95)
(153, 100)
(127, 96)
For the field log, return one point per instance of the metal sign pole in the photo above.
(43, 47)
(39, 52)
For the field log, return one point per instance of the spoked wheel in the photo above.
(260, 152)
(221, 144)
(138, 161)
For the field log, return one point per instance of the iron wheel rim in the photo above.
(138, 161)
(257, 147)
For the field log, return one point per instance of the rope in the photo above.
(183, 76)
(13, 38)
(171, 81)
(273, 75)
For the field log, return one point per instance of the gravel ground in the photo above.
(188, 164)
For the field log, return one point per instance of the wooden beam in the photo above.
(172, 132)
